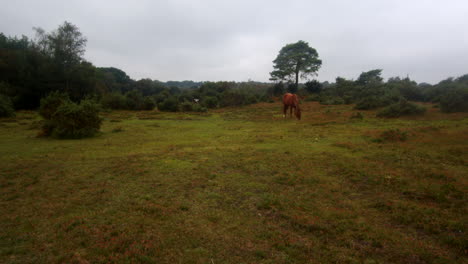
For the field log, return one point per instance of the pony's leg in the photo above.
(290, 111)
(285, 109)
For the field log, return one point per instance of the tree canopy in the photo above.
(295, 60)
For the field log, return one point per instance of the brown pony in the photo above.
(292, 101)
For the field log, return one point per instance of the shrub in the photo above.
(148, 103)
(199, 108)
(455, 101)
(6, 107)
(312, 97)
(331, 100)
(392, 135)
(134, 100)
(211, 102)
(186, 106)
(400, 109)
(71, 120)
(114, 101)
(372, 102)
(51, 103)
(169, 105)
(357, 115)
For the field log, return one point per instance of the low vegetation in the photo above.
(237, 185)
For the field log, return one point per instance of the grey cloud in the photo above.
(238, 40)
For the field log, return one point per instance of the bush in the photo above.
(331, 100)
(400, 109)
(199, 108)
(392, 135)
(6, 107)
(186, 106)
(70, 120)
(312, 97)
(134, 100)
(455, 101)
(51, 103)
(114, 101)
(148, 103)
(169, 105)
(211, 102)
(372, 102)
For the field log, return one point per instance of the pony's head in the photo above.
(298, 113)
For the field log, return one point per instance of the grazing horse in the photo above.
(292, 101)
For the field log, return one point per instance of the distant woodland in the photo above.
(31, 69)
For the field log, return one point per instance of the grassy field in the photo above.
(238, 185)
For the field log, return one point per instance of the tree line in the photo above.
(31, 69)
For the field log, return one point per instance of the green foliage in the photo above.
(114, 101)
(392, 135)
(313, 86)
(186, 107)
(401, 108)
(357, 115)
(199, 108)
(6, 106)
(455, 100)
(372, 102)
(171, 104)
(66, 119)
(373, 76)
(51, 103)
(295, 59)
(331, 100)
(148, 103)
(211, 102)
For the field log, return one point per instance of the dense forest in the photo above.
(31, 69)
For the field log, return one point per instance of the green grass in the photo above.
(240, 185)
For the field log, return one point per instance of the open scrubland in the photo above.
(238, 185)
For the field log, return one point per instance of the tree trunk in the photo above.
(297, 81)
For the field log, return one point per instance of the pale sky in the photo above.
(237, 40)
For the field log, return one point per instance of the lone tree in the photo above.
(294, 60)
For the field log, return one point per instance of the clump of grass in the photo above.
(392, 135)
(402, 108)
(117, 129)
(357, 115)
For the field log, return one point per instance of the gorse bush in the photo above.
(114, 101)
(211, 102)
(186, 106)
(371, 102)
(148, 103)
(455, 101)
(401, 108)
(51, 103)
(331, 100)
(66, 119)
(169, 105)
(392, 135)
(6, 106)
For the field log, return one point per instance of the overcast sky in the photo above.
(238, 40)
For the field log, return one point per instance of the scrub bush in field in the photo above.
(51, 103)
(148, 103)
(331, 100)
(401, 108)
(114, 101)
(169, 105)
(6, 107)
(211, 102)
(199, 108)
(186, 106)
(393, 135)
(455, 101)
(66, 119)
(370, 103)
